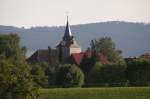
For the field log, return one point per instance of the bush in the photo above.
(138, 72)
(69, 76)
(108, 75)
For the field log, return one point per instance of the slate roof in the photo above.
(68, 35)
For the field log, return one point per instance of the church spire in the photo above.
(68, 34)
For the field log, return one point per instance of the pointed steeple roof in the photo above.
(68, 34)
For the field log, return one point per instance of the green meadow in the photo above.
(96, 93)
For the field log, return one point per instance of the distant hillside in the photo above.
(132, 38)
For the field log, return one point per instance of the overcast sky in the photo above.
(53, 12)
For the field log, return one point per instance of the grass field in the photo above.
(96, 93)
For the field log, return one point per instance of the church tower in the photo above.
(69, 45)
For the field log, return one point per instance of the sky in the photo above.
(27, 13)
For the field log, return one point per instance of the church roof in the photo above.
(40, 55)
(68, 34)
(43, 55)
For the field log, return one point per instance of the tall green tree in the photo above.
(106, 46)
(87, 64)
(10, 48)
(15, 77)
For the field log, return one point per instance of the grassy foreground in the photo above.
(96, 93)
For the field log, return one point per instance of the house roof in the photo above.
(77, 57)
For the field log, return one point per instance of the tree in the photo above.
(9, 47)
(51, 72)
(39, 76)
(15, 77)
(94, 74)
(86, 64)
(106, 46)
(69, 76)
(15, 80)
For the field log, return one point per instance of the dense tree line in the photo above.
(133, 73)
(64, 75)
(117, 72)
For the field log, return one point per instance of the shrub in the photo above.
(69, 76)
(138, 72)
(108, 75)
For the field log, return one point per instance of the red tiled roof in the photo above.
(79, 56)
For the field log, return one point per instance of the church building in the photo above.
(68, 49)
(68, 45)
